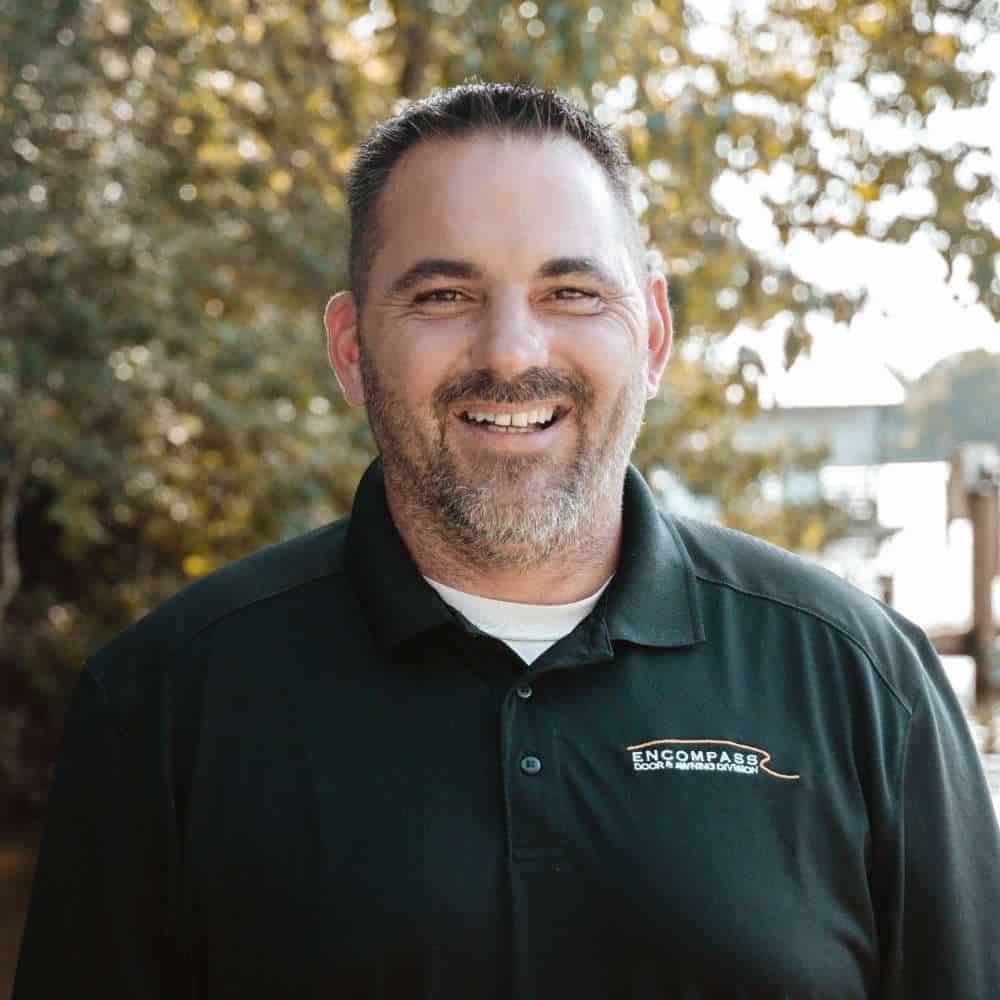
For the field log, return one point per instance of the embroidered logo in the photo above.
(703, 755)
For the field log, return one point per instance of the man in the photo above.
(509, 731)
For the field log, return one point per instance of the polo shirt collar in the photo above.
(397, 603)
(651, 601)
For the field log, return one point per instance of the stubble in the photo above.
(489, 515)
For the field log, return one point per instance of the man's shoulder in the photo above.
(756, 571)
(750, 565)
(269, 573)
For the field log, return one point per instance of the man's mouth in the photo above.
(520, 421)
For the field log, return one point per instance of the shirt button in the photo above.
(530, 765)
(524, 692)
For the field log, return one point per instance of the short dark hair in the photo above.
(463, 110)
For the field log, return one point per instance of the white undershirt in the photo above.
(529, 629)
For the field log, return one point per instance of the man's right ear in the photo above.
(344, 347)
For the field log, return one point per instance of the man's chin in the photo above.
(513, 534)
(497, 464)
(513, 489)
(513, 478)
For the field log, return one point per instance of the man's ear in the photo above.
(661, 331)
(344, 347)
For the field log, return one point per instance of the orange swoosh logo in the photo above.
(765, 755)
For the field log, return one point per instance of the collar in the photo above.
(396, 601)
(651, 601)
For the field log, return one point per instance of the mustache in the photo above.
(534, 384)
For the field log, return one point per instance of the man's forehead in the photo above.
(499, 199)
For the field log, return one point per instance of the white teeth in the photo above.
(508, 421)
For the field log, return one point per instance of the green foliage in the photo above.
(172, 220)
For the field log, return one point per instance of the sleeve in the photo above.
(941, 931)
(97, 922)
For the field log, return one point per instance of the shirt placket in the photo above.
(537, 861)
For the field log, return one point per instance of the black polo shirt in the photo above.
(306, 776)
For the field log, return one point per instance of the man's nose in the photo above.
(511, 338)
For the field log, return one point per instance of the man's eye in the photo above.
(572, 294)
(440, 295)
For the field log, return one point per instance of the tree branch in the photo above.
(414, 39)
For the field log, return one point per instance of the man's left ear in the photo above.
(660, 331)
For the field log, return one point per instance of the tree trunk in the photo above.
(10, 563)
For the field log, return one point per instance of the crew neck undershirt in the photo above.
(528, 629)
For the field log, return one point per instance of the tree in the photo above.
(952, 404)
(171, 190)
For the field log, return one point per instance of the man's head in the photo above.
(495, 108)
(503, 332)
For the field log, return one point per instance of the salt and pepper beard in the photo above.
(468, 516)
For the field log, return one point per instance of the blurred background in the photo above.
(818, 179)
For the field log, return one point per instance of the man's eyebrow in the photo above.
(433, 267)
(561, 267)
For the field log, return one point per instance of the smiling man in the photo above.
(510, 731)
(504, 340)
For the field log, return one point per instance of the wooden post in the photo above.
(973, 490)
(982, 499)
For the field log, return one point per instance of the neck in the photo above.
(570, 574)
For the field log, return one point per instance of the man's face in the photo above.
(506, 346)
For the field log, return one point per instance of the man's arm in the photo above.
(942, 927)
(98, 922)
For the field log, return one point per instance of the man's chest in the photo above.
(453, 830)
